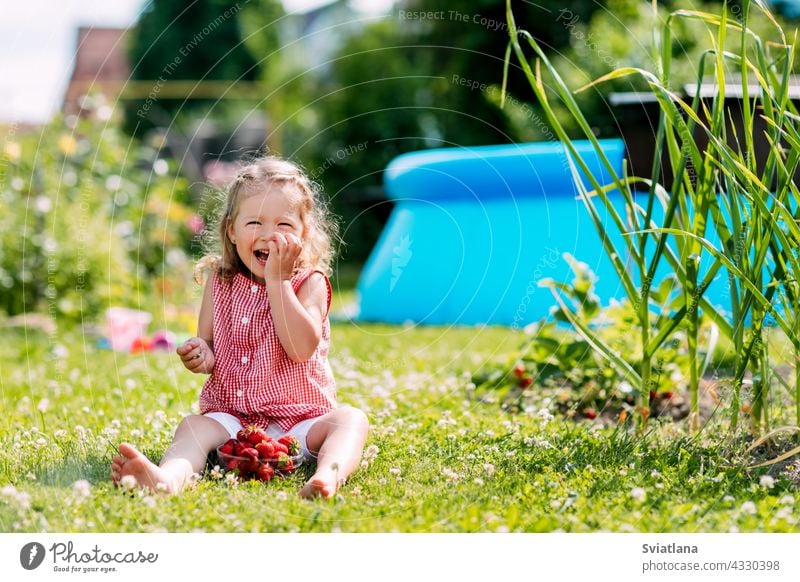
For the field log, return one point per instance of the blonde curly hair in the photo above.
(319, 227)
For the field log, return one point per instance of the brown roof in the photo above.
(101, 65)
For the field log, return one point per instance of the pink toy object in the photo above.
(164, 340)
(125, 326)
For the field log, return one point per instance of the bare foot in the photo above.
(146, 473)
(324, 483)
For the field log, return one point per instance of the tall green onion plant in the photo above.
(717, 188)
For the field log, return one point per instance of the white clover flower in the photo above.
(488, 468)
(216, 472)
(767, 481)
(149, 501)
(82, 488)
(450, 474)
(128, 482)
(786, 500)
(44, 403)
(395, 470)
(638, 494)
(784, 513)
(43, 204)
(231, 479)
(23, 500)
(370, 453)
(748, 508)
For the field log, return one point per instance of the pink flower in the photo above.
(195, 223)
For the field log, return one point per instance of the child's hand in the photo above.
(196, 355)
(284, 249)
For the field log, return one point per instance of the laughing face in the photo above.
(260, 216)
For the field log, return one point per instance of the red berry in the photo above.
(590, 413)
(291, 443)
(251, 434)
(265, 472)
(285, 464)
(281, 448)
(266, 450)
(519, 370)
(226, 449)
(250, 463)
(526, 381)
(667, 395)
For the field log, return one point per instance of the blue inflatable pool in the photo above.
(474, 230)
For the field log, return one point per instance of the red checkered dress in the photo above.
(253, 377)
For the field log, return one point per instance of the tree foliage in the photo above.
(174, 41)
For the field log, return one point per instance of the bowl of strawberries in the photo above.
(254, 455)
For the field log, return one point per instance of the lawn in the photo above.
(438, 458)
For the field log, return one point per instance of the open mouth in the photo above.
(261, 256)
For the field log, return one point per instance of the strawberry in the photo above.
(281, 448)
(251, 434)
(250, 464)
(291, 443)
(285, 463)
(266, 450)
(265, 472)
(232, 465)
(227, 448)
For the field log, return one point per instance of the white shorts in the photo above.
(299, 431)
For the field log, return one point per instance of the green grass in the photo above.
(446, 462)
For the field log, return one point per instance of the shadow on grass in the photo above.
(94, 468)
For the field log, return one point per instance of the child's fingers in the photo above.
(280, 241)
(187, 346)
(194, 356)
(194, 365)
(294, 240)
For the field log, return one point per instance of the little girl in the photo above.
(263, 335)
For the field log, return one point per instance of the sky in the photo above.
(37, 41)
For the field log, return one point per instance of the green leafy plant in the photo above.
(559, 365)
(717, 188)
(88, 218)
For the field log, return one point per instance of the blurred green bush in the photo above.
(89, 218)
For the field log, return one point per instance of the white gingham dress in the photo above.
(253, 377)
